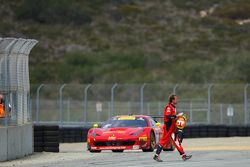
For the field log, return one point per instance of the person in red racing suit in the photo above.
(169, 128)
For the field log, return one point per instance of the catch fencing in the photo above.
(14, 79)
(16, 127)
(67, 104)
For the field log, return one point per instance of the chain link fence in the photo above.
(14, 80)
(80, 104)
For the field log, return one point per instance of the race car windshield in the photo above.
(125, 123)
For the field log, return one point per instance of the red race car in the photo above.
(127, 132)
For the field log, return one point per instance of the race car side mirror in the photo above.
(158, 124)
(95, 125)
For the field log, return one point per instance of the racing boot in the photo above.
(186, 157)
(157, 158)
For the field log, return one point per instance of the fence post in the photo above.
(159, 108)
(61, 102)
(109, 109)
(30, 108)
(209, 103)
(175, 87)
(112, 98)
(148, 108)
(221, 114)
(129, 106)
(246, 104)
(191, 111)
(38, 102)
(68, 110)
(142, 97)
(7, 55)
(86, 101)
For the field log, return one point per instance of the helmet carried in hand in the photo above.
(181, 121)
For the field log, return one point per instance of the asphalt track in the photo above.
(207, 152)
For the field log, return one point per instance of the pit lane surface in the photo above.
(221, 152)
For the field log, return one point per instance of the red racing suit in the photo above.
(170, 127)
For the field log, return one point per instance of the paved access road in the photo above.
(207, 152)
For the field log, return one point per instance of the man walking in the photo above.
(169, 128)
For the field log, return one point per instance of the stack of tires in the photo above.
(51, 139)
(67, 135)
(212, 131)
(38, 138)
(203, 131)
(222, 131)
(192, 131)
(73, 134)
(248, 130)
(46, 138)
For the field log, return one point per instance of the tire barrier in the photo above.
(73, 134)
(222, 131)
(212, 131)
(46, 138)
(51, 138)
(194, 131)
(79, 134)
(38, 138)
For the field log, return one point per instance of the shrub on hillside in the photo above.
(195, 4)
(54, 11)
(234, 11)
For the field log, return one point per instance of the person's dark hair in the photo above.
(171, 98)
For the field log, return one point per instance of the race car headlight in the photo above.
(94, 134)
(137, 132)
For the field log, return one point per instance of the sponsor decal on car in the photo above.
(112, 148)
(143, 138)
(117, 131)
(136, 147)
(113, 137)
(126, 118)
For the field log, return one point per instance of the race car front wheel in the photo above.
(152, 143)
